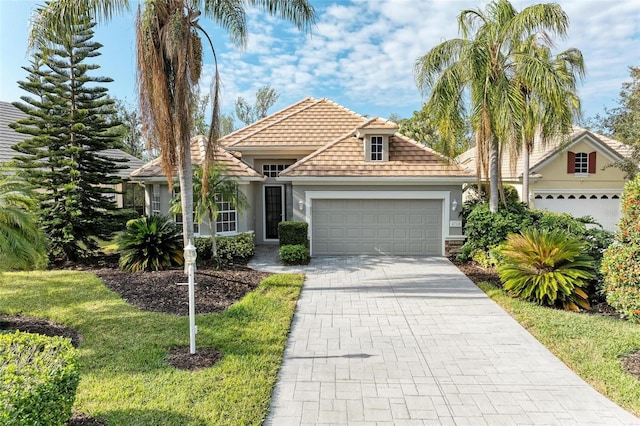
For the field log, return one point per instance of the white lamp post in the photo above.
(190, 255)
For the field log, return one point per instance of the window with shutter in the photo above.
(581, 163)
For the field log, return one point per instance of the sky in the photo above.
(360, 54)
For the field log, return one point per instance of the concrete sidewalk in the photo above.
(404, 341)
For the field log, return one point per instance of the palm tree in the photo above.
(169, 64)
(479, 68)
(22, 244)
(221, 187)
(550, 99)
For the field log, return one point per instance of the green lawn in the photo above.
(125, 378)
(590, 345)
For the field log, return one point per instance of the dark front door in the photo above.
(273, 211)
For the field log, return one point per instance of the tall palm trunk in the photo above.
(494, 174)
(185, 177)
(525, 172)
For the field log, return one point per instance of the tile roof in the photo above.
(512, 170)
(9, 137)
(379, 123)
(308, 123)
(234, 166)
(345, 158)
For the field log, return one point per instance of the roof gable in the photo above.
(309, 123)
(344, 157)
(543, 154)
(233, 165)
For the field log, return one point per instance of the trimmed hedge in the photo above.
(232, 248)
(293, 233)
(39, 376)
(294, 254)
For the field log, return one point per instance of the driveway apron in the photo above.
(404, 341)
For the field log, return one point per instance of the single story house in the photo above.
(574, 176)
(131, 194)
(362, 187)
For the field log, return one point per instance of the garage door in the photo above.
(383, 227)
(604, 208)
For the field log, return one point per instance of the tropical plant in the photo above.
(621, 261)
(221, 187)
(150, 244)
(485, 60)
(169, 66)
(22, 243)
(551, 105)
(547, 267)
(69, 123)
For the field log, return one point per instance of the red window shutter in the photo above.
(592, 162)
(571, 162)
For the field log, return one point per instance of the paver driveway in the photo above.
(388, 340)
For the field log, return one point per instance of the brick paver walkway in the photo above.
(411, 341)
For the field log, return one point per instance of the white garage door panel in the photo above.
(605, 209)
(397, 227)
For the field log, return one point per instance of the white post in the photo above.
(190, 255)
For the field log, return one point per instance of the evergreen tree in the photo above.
(70, 120)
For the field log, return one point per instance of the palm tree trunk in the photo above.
(212, 227)
(525, 173)
(185, 176)
(494, 175)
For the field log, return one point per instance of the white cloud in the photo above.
(362, 53)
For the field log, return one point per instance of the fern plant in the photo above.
(150, 243)
(547, 267)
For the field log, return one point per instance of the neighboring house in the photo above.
(575, 177)
(132, 194)
(362, 187)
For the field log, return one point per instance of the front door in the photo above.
(273, 211)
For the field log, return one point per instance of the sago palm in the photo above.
(547, 267)
(474, 75)
(169, 65)
(22, 244)
(150, 244)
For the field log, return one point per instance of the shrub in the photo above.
(150, 243)
(485, 230)
(293, 233)
(294, 254)
(39, 376)
(237, 247)
(547, 267)
(621, 261)
(203, 248)
(232, 248)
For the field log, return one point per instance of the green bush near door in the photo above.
(293, 233)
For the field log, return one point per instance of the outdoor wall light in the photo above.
(454, 205)
(301, 205)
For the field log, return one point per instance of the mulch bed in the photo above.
(158, 292)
